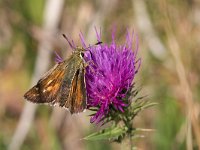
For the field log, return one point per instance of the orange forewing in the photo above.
(45, 91)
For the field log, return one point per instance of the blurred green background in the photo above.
(169, 37)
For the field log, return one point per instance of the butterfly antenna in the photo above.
(98, 43)
(71, 44)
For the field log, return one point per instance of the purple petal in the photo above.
(58, 59)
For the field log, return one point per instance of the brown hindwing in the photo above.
(80, 100)
(77, 96)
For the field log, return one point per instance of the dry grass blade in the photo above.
(181, 71)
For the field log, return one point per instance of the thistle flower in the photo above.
(109, 75)
(111, 93)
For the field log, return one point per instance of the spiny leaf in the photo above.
(138, 130)
(108, 133)
(93, 109)
(142, 107)
(137, 136)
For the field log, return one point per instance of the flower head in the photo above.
(109, 75)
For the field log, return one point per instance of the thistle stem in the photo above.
(130, 142)
(127, 143)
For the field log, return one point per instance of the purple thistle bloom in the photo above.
(58, 58)
(110, 74)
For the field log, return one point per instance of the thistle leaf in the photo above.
(144, 106)
(108, 133)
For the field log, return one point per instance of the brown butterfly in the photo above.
(63, 85)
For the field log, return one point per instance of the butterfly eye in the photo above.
(82, 54)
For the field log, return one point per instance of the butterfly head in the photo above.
(79, 51)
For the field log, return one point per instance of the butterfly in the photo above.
(63, 85)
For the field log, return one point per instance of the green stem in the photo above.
(127, 144)
(131, 142)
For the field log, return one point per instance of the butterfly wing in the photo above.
(77, 96)
(45, 91)
(80, 100)
(63, 85)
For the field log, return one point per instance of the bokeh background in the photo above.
(169, 37)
